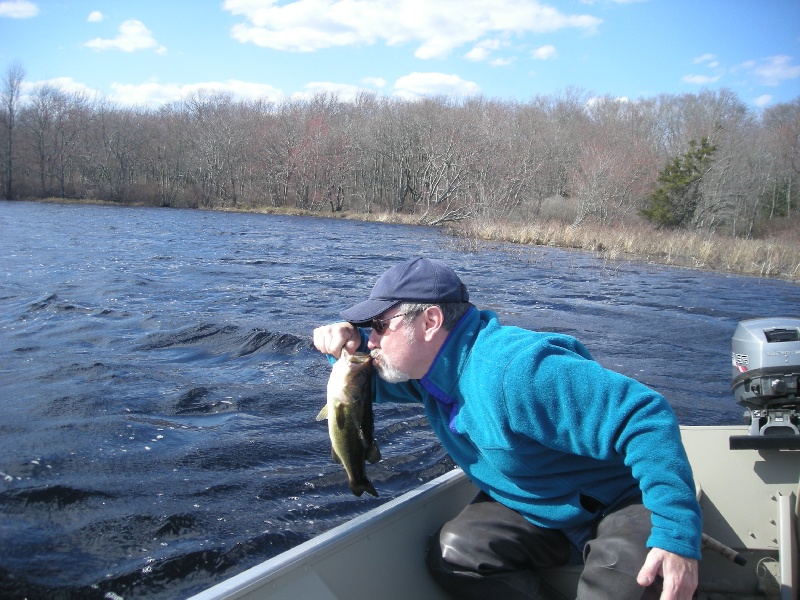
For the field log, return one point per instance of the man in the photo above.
(574, 462)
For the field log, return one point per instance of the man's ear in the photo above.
(433, 321)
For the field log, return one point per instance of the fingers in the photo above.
(353, 343)
(679, 574)
(330, 339)
(647, 574)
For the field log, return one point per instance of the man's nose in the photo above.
(373, 340)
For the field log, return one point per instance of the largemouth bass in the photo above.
(350, 418)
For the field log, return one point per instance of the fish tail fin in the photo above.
(359, 487)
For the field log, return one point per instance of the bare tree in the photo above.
(617, 161)
(169, 154)
(12, 82)
(55, 120)
(782, 129)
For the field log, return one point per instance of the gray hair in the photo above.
(452, 311)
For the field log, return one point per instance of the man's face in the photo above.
(393, 350)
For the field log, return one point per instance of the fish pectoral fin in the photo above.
(373, 453)
(323, 414)
(339, 413)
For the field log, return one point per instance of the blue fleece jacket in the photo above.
(540, 426)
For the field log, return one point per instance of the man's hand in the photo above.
(679, 574)
(330, 339)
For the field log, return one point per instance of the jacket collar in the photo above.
(442, 378)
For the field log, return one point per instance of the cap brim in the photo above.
(362, 313)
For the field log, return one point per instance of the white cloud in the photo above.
(704, 58)
(437, 27)
(345, 92)
(482, 50)
(710, 60)
(544, 52)
(478, 53)
(63, 84)
(133, 35)
(18, 9)
(763, 100)
(771, 71)
(375, 82)
(501, 62)
(601, 100)
(775, 70)
(95, 16)
(154, 94)
(147, 94)
(700, 79)
(417, 85)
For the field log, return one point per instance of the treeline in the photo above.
(568, 156)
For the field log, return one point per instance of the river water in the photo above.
(159, 389)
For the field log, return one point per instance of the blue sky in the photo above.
(149, 52)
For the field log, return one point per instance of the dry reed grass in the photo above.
(775, 257)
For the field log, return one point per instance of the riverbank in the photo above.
(776, 256)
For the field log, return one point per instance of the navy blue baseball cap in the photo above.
(423, 280)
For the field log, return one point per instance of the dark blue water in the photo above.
(159, 390)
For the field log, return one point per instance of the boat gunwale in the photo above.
(320, 546)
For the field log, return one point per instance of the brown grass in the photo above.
(775, 257)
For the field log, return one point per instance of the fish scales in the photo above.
(350, 419)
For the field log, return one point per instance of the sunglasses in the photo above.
(380, 325)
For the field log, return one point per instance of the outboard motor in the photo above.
(766, 374)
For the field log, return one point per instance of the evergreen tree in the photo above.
(675, 200)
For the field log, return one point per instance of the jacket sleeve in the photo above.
(558, 394)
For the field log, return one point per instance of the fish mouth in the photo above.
(360, 358)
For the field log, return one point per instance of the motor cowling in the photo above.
(765, 356)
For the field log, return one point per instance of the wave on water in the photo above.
(52, 303)
(57, 496)
(229, 340)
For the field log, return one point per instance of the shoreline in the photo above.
(763, 258)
